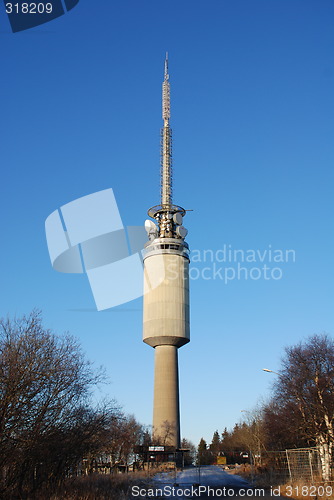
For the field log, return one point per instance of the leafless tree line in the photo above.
(47, 421)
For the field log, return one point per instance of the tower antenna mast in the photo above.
(166, 213)
(166, 144)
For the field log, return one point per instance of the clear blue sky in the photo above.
(252, 118)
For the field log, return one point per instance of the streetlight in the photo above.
(271, 371)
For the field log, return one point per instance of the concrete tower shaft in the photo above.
(166, 411)
(166, 296)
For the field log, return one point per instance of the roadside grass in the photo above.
(273, 482)
(118, 486)
(96, 487)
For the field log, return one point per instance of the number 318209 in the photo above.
(29, 8)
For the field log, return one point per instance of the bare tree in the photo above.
(45, 381)
(283, 426)
(132, 435)
(125, 433)
(190, 455)
(166, 435)
(254, 435)
(304, 390)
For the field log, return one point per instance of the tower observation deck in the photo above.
(166, 290)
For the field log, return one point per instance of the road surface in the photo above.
(209, 482)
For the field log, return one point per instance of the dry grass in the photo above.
(96, 487)
(298, 490)
(118, 486)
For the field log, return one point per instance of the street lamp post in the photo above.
(271, 371)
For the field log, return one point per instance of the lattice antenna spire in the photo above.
(166, 93)
(166, 143)
(169, 217)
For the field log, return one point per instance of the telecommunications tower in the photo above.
(166, 290)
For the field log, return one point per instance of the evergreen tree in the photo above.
(204, 455)
(215, 445)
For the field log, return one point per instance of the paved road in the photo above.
(210, 482)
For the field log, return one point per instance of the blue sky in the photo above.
(252, 119)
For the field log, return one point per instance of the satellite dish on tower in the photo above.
(181, 231)
(150, 227)
(178, 219)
